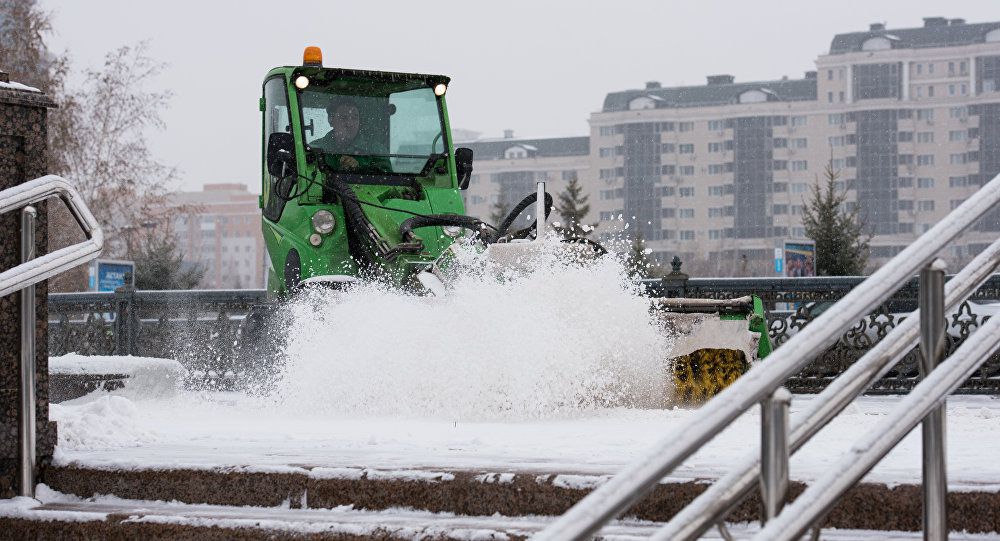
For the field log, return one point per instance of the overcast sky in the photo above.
(539, 68)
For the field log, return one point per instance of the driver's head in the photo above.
(344, 118)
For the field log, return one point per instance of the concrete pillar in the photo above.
(23, 157)
(850, 83)
(906, 81)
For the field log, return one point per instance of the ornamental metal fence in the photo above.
(198, 327)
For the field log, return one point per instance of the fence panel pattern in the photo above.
(198, 328)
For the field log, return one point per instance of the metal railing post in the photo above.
(27, 424)
(932, 346)
(774, 452)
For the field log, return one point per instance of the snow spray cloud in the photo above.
(548, 336)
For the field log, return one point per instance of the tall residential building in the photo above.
(507, 169)
(221, 232)
(719, 173)
(908, 117)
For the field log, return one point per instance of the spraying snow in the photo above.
(549, 336)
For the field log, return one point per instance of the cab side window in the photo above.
(276, 119)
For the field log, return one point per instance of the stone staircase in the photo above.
(349, 503)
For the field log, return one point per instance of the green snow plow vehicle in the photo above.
(361, 182)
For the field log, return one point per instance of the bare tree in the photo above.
(100, 141)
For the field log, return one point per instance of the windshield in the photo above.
(372, 126)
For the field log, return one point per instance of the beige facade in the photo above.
(719, 173)
(222, 235)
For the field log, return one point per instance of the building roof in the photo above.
(538, 148)
(713, 94)
(936, 32)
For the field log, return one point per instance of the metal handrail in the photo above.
(638, 478)
(821, 495)
(23, 278)
(60, 260)
(722, 496)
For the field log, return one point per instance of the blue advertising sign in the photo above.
(107, 275)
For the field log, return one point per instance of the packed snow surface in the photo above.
(208, 430)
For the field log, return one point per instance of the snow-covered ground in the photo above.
(404, 523)
(203, 430)
(557, 369)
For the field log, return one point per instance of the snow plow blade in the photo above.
(715, 342)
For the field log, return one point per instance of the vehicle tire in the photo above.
(260, 344)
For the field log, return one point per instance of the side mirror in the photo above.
(463, 167)
(280, 154)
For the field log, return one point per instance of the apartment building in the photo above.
(506, 170)
(718, 173)
(220, 230)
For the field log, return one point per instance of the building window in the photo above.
(904, 204)
(779, 165)
(930, 91)
(685, 213)
(800, 187)
(685, 235)
(606, 130)
(905, 182)
(716, 190)
(779, 142)
(925, 114)
(958, 182)
(874, 81)
(686, 191)
(925, 137)
(925, 159)
(779, 210)
(800, 142)
(715, 147)
(607, 152)
(716, 125)
(569, 174)
(799, 120)
(716, 168)
(685, 148)
(687, 170)
(829, 97)
(925, 182)
(685, 126)
(958, 159)
(957, 135)
(800, 165)
(668, 169)
(925, 205)
(667, 148)
(958, 112)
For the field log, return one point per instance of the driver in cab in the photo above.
(345, 124)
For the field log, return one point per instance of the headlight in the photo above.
(323, 222)
(453, 231)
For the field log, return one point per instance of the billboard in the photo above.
(799, 258)
(109, 274)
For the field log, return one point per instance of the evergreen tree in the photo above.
(160, 265)
(638, 264)
(841, 240)
(573, 209)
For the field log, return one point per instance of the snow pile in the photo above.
(549, 335)
(104, 422)
(146, 377)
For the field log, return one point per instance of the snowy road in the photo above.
(211, 430)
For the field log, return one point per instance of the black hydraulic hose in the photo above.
(406, 228)
(512, 216)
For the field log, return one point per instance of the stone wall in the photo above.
(23, 157)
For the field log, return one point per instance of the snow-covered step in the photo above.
(56, 515)
(872, 506)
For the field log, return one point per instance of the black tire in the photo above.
(260, 344)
